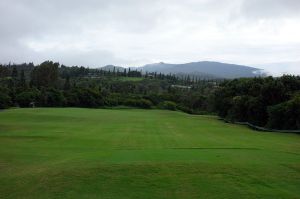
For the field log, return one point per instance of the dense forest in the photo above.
(267, 102)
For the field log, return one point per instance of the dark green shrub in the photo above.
(289, 110)
(24, 99)
(169, 105)
(5, 101)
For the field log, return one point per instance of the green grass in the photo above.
(92, 153)
(132, 79)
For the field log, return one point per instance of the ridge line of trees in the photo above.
(266, 102)
(51, 84)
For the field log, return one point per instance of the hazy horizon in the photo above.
(274, 69)
(256, 33)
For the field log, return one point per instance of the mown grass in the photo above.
(132, 79)
(93, 153)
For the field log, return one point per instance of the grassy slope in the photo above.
(89, 153)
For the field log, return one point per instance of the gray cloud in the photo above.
(270, 8)
(135, 32)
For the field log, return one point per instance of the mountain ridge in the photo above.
(210, 69)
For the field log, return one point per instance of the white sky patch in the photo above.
(137, 32)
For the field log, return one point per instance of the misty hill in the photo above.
(205, 68)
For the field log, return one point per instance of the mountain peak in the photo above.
(205, 68)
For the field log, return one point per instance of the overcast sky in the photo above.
(94, 33)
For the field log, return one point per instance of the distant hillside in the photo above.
(205, 68)
(112, 67)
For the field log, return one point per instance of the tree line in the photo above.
(266, 102)
(53, 85)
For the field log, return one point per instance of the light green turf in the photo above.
(132, 79)
(94, 153)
